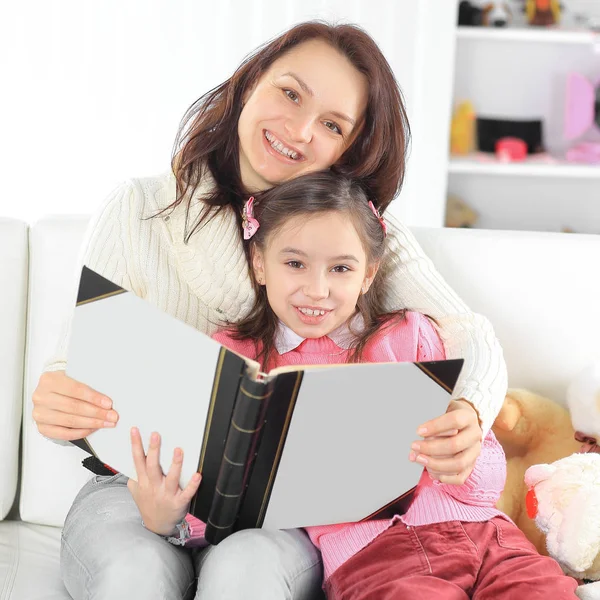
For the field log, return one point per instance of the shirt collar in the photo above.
(287, 340)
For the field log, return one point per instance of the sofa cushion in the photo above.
(13, 307)
(51, 474)
(30, 562)
(538, 290)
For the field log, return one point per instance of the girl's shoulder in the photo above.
(411, 337)
(227, 338)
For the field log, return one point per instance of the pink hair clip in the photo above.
(379, 217)
(249, 223)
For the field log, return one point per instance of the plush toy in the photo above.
(542, 12)
(532, 429)
(564, 497)
(564, 501)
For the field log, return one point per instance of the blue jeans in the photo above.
(106, 554)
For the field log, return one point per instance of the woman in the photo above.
(317, 97)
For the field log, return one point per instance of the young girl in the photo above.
(316, 246)
(316, 97)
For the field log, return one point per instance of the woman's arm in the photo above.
(63, 408)
(415, 284)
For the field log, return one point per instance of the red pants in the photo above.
(451, 561)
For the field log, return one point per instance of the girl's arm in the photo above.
(415, 284)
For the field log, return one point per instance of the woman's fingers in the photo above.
(61, 404)
(139, 457)
(174, 474)
(44, 415)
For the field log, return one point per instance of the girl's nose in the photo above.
(316, 288)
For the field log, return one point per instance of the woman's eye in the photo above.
(292, 95)
(333, 126)
(295, 264)
(340, 269)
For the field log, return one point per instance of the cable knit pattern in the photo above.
(206, 281)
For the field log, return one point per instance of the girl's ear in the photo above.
(258, 265)
(369, 277)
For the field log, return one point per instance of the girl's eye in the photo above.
(340, 269)
(292, 95)
(333, 127)
(295, 264)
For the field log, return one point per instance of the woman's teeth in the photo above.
(279, 147)
(310, 312)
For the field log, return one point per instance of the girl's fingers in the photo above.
(155, 474)
(139, 458)
(448, 446)
(174, 474)
(453, 465)
(191, 488)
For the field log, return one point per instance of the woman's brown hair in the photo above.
(208, 137)
(307, 196)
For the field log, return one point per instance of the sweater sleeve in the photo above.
(487, 479)
(416, 285)
(107, 249)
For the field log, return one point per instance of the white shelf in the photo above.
(528, 168)
(528, 34)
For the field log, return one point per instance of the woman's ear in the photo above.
(369, 277)
(258, 265)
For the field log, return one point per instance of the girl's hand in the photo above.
(160, 500)
(65, 409)
(452, 443)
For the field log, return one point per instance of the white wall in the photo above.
(94, 90)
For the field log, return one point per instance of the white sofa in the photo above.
(541, 292)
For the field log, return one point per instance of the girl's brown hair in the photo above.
(306, 196)
(208, 137)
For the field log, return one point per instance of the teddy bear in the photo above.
(532, 430)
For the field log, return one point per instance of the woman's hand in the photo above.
(66, 409)
(451, 443)
(160, 500)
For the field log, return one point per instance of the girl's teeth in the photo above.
(311, 313)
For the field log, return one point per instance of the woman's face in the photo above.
(301, 116)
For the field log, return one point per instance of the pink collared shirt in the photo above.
(411, 339)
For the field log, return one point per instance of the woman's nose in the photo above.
(300, 129)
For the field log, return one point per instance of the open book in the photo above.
(296, 447)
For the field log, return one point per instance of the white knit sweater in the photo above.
(206, 281)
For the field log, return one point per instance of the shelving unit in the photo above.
(519, 72)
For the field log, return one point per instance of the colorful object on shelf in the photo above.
(462, 129)
(510, 149)
(542, 13)
(489, 131)
(496, 14)
(459, 213)
(582, 107)
(585, 152)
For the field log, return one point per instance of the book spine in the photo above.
(244, 430)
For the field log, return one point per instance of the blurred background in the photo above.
(503, 99)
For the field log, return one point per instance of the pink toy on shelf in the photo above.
(582, 113)
(511, 149)
(582, 106)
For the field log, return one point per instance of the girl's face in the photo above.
(301, 116)
(314, 270)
